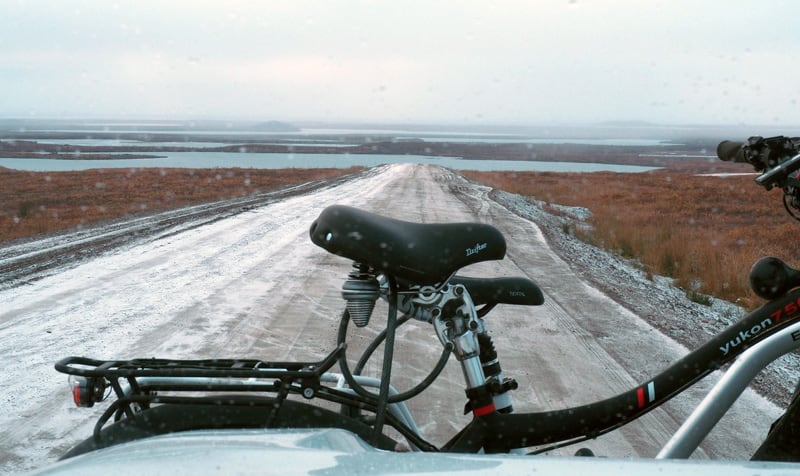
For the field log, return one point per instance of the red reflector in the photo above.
(76, 395)
(483, 411)
(84, 391)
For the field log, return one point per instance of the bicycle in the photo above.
(413, 267)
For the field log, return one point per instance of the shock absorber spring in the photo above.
(360, 292)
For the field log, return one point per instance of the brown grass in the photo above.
(704, 231)
(33, 203)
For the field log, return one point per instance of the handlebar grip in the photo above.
(731, 151)
(771, 278)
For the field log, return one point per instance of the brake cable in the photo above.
(360, 390)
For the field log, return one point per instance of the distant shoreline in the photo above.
(77, 156)
(11, 147)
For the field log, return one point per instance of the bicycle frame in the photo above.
(755, 341)
(750, 345)
(497, 432)
(720, 398)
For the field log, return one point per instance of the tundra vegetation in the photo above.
(703, 231)
(37, 203)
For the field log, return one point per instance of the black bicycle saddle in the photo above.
(416, 253)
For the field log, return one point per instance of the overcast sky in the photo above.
(521, 62)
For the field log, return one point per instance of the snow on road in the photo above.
(253, 285)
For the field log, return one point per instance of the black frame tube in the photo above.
(502, 432)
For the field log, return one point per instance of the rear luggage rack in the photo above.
(209, 368)
(139, 383)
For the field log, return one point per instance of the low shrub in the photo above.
(694, 228)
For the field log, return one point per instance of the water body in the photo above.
(128, 143)
(126, 134)
(192, 144)
(299, 140)
(205, 160)
(523, 140)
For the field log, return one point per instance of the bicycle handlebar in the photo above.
(731, 151)
(776, 158)
(760, 152)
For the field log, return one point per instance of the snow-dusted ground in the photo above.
(252, 285)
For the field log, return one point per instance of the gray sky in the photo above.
(463, 62)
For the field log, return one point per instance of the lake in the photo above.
(204, 160)
(305, 138)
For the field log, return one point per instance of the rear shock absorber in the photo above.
(360, 292)
(498, 386)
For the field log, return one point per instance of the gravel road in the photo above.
(251, 284)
